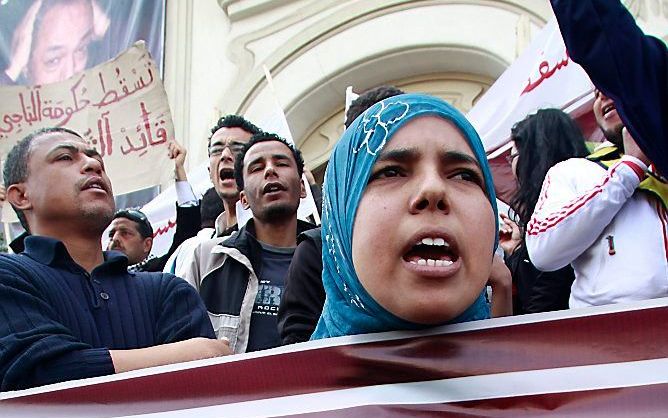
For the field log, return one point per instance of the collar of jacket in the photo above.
(245, 241)
(653, 184)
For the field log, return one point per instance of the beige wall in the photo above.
(315, 48)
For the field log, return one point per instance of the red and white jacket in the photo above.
(614, 236)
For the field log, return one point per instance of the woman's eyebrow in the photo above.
(402, 155)
(459, 157)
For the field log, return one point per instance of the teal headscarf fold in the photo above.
(349, 309)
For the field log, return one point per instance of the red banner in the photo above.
(607, 361)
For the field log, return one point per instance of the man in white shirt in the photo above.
(604, 222)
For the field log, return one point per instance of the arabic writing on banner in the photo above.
(120, 108)
(545, 72)
(543, 76)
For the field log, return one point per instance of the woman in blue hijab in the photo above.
(409, 221)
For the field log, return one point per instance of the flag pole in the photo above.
(309, 195)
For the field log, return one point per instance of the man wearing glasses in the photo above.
(228, 138)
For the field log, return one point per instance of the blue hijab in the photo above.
(349, 309)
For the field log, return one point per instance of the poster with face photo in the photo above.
(45, 41)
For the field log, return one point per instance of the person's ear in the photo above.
(148, 244)
(302, 191)
(18, 196)
(244, 200)
(208, 168)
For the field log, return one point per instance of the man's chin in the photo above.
(229, 195)
(614, 135)
(277, 212)
(97, 217)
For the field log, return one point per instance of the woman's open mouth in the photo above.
(433, 251)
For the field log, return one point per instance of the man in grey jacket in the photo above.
(241, 278)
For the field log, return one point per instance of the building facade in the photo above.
(455, 49)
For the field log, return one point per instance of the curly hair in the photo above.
(233, 121)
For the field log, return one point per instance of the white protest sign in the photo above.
(350, 98)
(120, 108)
(161, 211)
(543, 76)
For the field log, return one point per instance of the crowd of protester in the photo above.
(410, 238)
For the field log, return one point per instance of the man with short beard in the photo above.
(70, 310)
(607, 218)
(227, 139)
(241, 279)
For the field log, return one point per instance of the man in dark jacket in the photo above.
(70, 310)
(241, 278)
(132, 234)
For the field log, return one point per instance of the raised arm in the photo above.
(627, 65)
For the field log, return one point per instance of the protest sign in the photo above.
(543, 76)
(120, 108)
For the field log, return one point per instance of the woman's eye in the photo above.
(64, 157)
(83, 49)
(387, 172)
(467, 175)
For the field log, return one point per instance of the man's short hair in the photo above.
(368, 99)
(16, 165)
(210, 208)
(144, 227)
(233, 121)
(256, 139)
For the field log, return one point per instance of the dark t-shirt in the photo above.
(264, 319)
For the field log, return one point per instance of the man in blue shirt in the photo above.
(68, 310)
